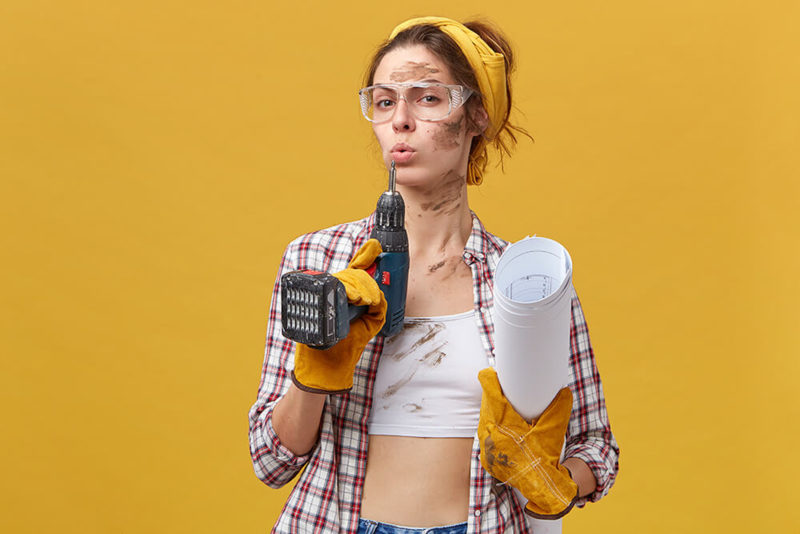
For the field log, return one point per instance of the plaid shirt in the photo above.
(327, 497)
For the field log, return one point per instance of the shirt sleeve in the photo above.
(273, 463)
(589, 434)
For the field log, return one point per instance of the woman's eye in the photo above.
(383, 103)
(430, 99)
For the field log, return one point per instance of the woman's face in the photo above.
(424, 152)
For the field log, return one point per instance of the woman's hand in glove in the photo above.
(525, 455)
(331, 370)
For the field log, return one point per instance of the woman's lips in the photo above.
(401, 153)
(402, 156)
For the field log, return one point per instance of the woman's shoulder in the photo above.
(330, 247)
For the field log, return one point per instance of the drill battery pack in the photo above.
(314, 309)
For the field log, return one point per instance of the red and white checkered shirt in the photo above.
(327, 497)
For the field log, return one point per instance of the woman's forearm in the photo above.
(296, 419)
(582, 475)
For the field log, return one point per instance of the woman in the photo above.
(387, 429)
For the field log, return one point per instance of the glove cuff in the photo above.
(538, 514)
(311, 389)
(327, 371)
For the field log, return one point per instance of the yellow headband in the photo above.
(490, 70)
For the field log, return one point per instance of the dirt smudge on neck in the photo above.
(453, 268)
(450, 193)
(453, 209)
(434, 268)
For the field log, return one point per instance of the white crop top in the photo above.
(427, 382)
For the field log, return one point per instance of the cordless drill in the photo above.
(314, 307)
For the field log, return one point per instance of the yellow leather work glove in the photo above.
(525, 455)
(331, 370)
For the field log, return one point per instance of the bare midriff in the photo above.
(417, 482)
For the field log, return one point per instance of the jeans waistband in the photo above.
(368, 526)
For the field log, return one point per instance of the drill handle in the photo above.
(391, 274)
(354, 312)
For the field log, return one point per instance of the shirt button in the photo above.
(477, 513)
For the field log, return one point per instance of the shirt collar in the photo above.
(477, 243)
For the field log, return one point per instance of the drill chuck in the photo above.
(389, 218)
(390, 231)
(390, 215)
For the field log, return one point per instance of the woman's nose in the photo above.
(402, 120)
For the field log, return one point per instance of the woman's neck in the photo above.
(438, 218)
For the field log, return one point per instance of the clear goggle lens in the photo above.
(426, 101)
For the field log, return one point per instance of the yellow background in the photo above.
(156, 157)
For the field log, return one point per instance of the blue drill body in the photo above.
(314, 307)
(392, 265)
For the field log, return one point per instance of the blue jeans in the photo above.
(367, 526)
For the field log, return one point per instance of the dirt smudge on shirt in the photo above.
(434, 357)
(394, 388)
(431, 330)
(412, 407)
(407, 328)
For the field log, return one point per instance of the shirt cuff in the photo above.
(282, 454)
(599, 469)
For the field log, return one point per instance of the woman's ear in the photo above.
(479, 120)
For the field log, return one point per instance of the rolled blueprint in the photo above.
(539, 526)
(532, 296)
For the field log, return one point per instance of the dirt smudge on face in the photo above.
(448, 136)
(412, 70)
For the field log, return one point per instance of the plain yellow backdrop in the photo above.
(156, 157)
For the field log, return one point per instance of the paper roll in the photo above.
(541, 526)
(532, 308)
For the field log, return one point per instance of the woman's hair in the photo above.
(445, 48)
